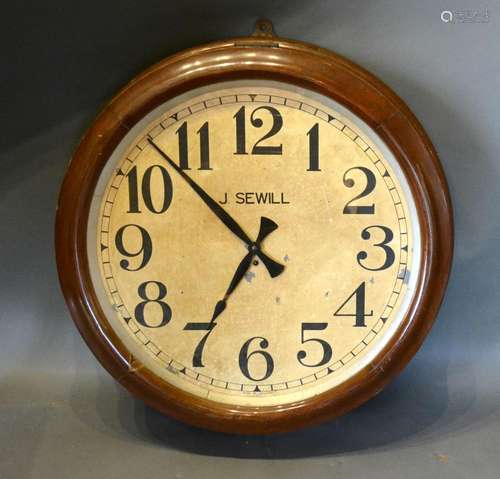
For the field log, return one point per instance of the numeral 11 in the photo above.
(204, 147)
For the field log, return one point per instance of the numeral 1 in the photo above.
(240, 132)
(204, 147)
(313, 135)
(133, 191)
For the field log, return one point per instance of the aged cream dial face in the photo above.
(253, 243)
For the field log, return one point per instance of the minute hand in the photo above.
(272, 266)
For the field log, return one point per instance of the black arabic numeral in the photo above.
(240, 132)
(204, 147)
(360, 299)
(146, 190)
(146, 248)
(167, 189)
(198, 351)
(142, 291)
(182, 134)
(327, 349)
(277, 124)
(183, 146)
(313, 135)
(371, 182)
(132, 191)
(257, 122)
(244, 358)
(384, 244)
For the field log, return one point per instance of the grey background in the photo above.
(62, 416)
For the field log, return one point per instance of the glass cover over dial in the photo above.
(253, 242)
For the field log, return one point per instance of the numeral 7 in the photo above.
(198, 351)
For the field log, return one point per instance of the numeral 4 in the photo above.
(359, 300)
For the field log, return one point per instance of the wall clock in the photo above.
(254, 235)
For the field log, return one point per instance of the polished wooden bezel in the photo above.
(264, 56)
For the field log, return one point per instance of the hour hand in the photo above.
(267, 226)
(274, 268)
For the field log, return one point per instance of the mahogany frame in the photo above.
(268, 57)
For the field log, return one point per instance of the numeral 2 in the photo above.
(349, 208)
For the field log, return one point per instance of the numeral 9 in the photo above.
(146, 247)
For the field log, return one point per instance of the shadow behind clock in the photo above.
(403, 412)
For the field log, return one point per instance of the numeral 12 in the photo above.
(257, 122)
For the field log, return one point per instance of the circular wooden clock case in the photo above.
(254, 235)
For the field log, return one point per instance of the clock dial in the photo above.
(253, 243)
